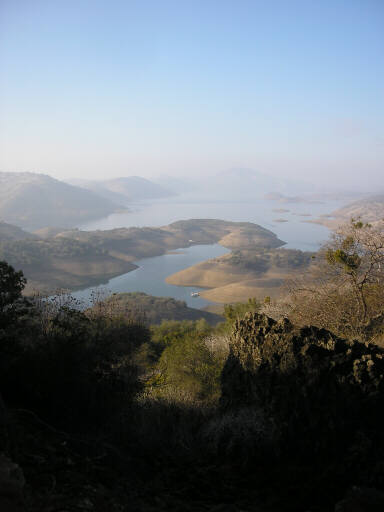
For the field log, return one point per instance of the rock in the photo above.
(11, 486)
(320, 391)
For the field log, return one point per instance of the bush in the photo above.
(78, 373)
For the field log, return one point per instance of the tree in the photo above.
(12, 284)
(188, 371)
(233, 312)
(344, 289)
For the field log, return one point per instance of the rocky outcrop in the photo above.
(321, 392)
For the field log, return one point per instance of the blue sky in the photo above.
(107, 88)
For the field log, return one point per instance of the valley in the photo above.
(104, 251)
(74, 259)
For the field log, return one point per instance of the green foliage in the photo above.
(76, 371)
(170, 331)
(262, 259)
(350, 262)
(188, 368)
(233, 312)
(12, 284)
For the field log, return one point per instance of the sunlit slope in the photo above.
(250, 273)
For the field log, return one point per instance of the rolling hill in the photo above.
(8, 233)
(370, 209)
(126, 189)
(242, 274)
(33, 201)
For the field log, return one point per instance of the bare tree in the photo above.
(344, 288)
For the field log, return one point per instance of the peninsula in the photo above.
(242, 274)
(74, 259)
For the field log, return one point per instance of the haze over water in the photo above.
(151, 274)
(297, 233)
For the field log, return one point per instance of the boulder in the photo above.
(322, 393)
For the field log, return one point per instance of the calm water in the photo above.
(150, 275)
(297, 233)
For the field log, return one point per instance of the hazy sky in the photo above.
(116, 87)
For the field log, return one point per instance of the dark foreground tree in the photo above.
(12, 284)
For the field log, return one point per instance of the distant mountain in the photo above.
(32, 201)
(251, 183)
(8, 232)
(135, 187)
(184, 185)
(126, 189)
(98, 188)
(240, 184)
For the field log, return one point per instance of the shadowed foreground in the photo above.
(298, 425)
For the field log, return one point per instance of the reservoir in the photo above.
(288, 221)
(151, 274)
(289, 225)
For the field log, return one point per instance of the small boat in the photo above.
(195, 294)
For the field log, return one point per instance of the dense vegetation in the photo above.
(262, 260)
(103, 412)
(154, 310)
(39, 252)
